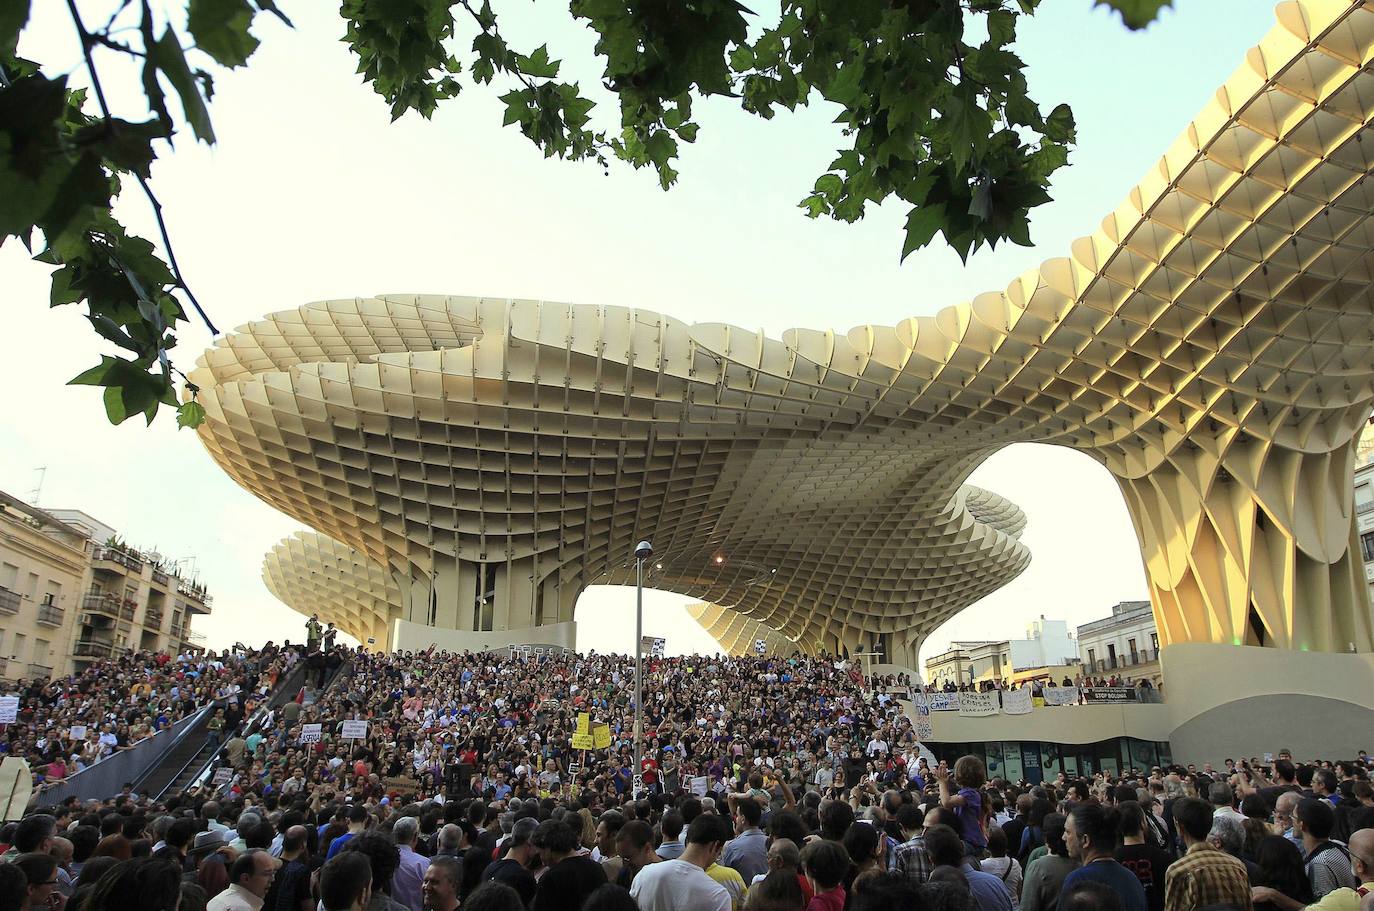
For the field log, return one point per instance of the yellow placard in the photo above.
(584, 723)
(601, 736)
(582, 742)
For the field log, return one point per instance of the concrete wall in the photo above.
(1060, 724)
(408, 636)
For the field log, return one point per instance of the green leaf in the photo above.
(14, 15)
(1001, 27)
(220, 28)
(1136, 14)
(921, 226)
(1059, 126)
(169, 57)
(190, 414)
(742, 58)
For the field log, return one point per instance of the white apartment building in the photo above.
(1125, 643)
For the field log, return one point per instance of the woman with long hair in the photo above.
(1281, 868)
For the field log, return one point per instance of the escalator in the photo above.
(192, 751)
(199, 768)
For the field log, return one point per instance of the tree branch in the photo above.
(89, 41)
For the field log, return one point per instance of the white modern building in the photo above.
(1125, 643)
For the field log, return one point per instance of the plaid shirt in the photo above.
(1205, 876)
(913, 861)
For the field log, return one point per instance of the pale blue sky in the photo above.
(313, 194)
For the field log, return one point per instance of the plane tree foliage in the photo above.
(932, 102)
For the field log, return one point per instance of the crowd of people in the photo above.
(767, 784)
(64, 725)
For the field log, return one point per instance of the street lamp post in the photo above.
(643, 551)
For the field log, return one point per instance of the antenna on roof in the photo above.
(38, 491)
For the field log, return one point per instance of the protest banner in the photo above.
(1100, 694)
(223, 775)
(944, 702)
(601, 736)
(78, 732)
(978, 704)
(1016, 702)
(354, 730)
(9, 709)
(1061, 695)
(700, 784)
(311, 733)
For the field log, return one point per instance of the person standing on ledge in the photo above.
(312, 634)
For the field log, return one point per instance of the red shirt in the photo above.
(827, 901)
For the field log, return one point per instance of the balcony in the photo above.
(1362, 508)
(197, 600)
(87, 648)
(50, 615)
(98, 602)
(39, 671)
(9, 601)
(161, 578)
(127, 608)
(152, 618)
(126, 559)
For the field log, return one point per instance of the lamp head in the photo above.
(643, 550)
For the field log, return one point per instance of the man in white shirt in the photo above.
(682, 884)
(250, 876)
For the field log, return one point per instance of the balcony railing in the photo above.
(161, 578)
(87, 648)
(39, 671)
(127, 608)
(1362, 508)
(9, 601)
(1121, 662)
(115, 555)
(50, 615)
(101, 603)
(152, 618)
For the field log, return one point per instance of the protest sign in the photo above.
(1061, 695)
(310, 733)
(354, 730)
(78, 732)
(9, 709)
(700, 785)
(601, 736)
(978, 704)
(1016, 702)
(1110, 694)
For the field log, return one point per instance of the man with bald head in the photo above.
(784, 855)
(1343, 899)
(291, 888)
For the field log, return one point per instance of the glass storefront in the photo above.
(1036, 761)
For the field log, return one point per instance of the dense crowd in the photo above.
(64, 725)
(768, 784)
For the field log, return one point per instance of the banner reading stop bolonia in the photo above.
(1110, 694)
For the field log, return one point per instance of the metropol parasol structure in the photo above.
(470, 465)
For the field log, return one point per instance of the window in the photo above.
(1111, 654)
(9, 577)
(20, 640)
(1367, 545)
(1092, 658)
(41, 648)
(31, 591)
(1154, 642)
(1130, 644)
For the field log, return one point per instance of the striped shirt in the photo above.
(1205, 876)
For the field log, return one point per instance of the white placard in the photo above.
(78, 732)
(700, 784)
(574, 768)
(9, 709)
(1061, 695)
(1268, 757)
(354, 730)
(223, 775)
(310, 733)
(1016, 702)
(978, 704)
